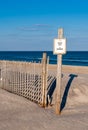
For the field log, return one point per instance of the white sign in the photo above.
(59, 46)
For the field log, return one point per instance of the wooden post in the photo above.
(44, 91)
(0, 77)
(59, 71)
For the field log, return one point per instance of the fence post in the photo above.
(0, 77)
(44, 80)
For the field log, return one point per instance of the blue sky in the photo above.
(31, 25)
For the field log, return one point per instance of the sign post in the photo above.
(59, 49)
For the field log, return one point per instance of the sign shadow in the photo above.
(65, 95)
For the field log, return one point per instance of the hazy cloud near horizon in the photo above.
(36, 27)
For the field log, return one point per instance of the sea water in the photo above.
(77, 58)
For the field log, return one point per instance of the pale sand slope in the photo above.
(18, 113)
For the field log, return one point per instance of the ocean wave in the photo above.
(72, 60)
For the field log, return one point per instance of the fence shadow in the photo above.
(50, 93)
(65, 95)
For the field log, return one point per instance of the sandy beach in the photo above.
(18, 113)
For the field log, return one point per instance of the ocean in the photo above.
(76, 58)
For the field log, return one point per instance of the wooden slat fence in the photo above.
(30, 80)
(22, 78)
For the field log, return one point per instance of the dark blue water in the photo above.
(70, 58)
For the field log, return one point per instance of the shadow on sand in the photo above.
(65, 95)
(50, 93)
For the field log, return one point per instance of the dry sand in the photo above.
(18, 113)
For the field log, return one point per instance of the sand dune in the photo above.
(18, 113)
